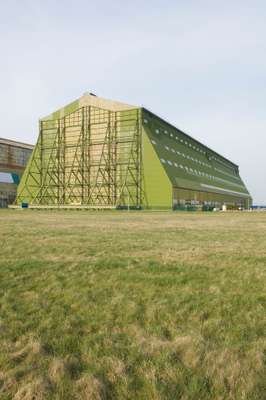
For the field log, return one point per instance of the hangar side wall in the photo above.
(157, 188)
(182, 197)
(200, 174)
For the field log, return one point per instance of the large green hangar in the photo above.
(101, 153)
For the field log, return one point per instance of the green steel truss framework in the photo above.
(89, 157)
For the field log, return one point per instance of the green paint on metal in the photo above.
(89, 155)
(61, 112)
(157, 187)
(70, 108)
(56, 114)
(30, 180)
(191, 165)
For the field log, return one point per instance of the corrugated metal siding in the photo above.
(191, 165)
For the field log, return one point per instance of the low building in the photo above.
(13, 159)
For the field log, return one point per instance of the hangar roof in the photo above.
(190, 164)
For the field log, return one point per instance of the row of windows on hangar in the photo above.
(195, 172)
(197, 161)
(189, 144)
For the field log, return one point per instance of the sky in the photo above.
(198, 64)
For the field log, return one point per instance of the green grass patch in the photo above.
(140, 305)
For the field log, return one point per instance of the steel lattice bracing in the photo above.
(89, 157)
(96, 152)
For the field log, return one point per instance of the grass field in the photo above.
(118, 305)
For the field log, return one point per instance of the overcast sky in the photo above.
(199, 64)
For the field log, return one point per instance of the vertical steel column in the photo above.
(139, 159)
(64, 161)
(88, 108)
(108, 166)
(41, 160)
(115, 158)
(57, 159)
(83, 156)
